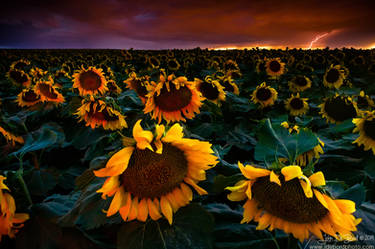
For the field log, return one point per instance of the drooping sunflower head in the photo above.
(264, 95)
(139, 84)
(364, 101)
(286, 199)
(48, 92)
(20, 64)
(274, 67)
(299, 83)
(153, 177)
(173, 99)
(308, 156)
(229, 85)
(359, 61)
(96, 113)
(11, 222)
(334, 77)
(338, 108)
(211, 89)
(296, 105)
(19, 77)
(234, 74)
(365, 125)
(319, 59)
(90, 81)
(28, 97)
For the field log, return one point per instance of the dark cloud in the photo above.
(175, 23)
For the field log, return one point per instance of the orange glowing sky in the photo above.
(187, 24)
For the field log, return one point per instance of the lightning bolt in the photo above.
(317, 38)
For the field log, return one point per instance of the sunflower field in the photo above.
(137, 149)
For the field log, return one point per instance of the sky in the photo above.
(167, 24)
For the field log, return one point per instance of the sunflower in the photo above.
(260, 66)
(152, 177)
(338, 108)
(231, 65)
(113, 87)
(37, 73)
(364, 101)
(306, 157)
(365, 125)
(48, 92)
(229, 85)
(319, 59)
(173, 64)
(154, 62)
(334, 77)
(28, 97)
(264, 95)
(274, 67)
(296, 105)
(210, 89)
(61, 73)
(234, 74)
(20, 64)
(299, 83)
(171, 97)
(359, 61)
(18, 77)
(11, 137)
(10, 221)
(290, 201)
(139, 84)
(90, 81)
(97, 113)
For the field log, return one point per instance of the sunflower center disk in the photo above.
(333, 75)
(30, 96)
(90, 80)
(140, 89)
(301, 81)
(209, 91)
(47, 91)
(175, 99)
(339, 109)
(369, 128)
(296, 103)
(287, 202)
(152, 175)
(18, 76)
(263, 94)
(275, 66)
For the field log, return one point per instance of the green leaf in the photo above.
(40, 181)
(49, 136)
(356, 193)
(192, 228)
(276, 141)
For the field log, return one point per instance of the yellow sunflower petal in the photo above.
(125, 210)
(275, 178)
(142, 210)
(174, 133)
(291, 172)
(317, 179)
(251, 172)
(117, 202)
(153, 210)
(142, 137)
(166, 209)
(117, 164)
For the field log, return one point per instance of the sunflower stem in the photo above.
(19, 176)
(292, 242)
